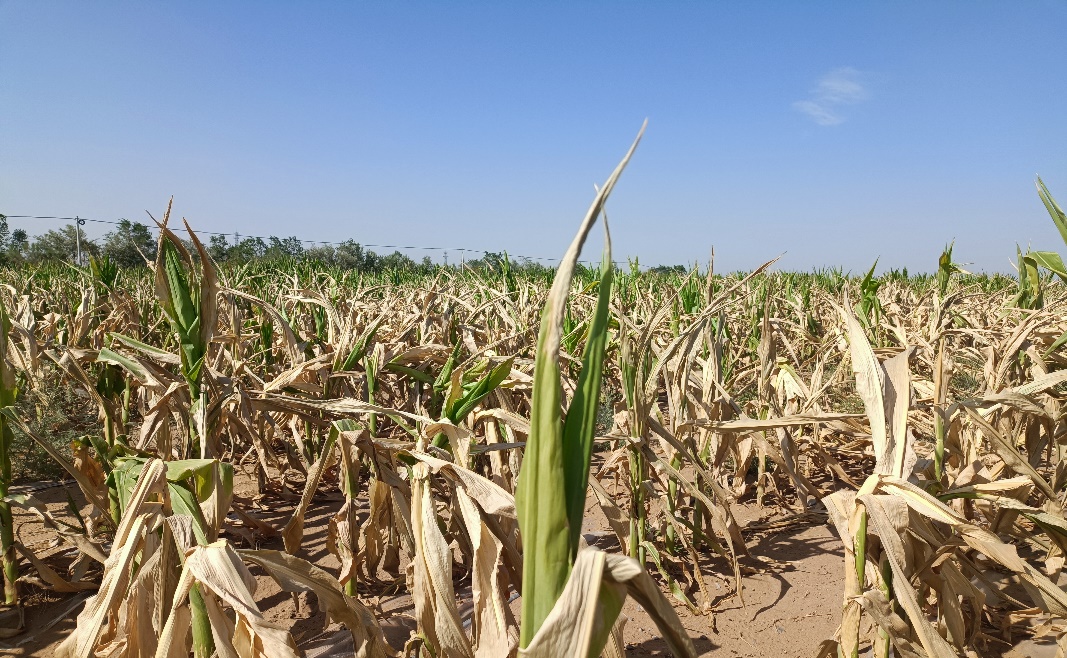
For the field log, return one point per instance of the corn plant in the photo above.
(8, 393)
(869, 307)
(558, 453)
(1030, 293)
(190, 305)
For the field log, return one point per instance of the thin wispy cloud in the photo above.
(835, 91)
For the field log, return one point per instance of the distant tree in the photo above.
(349, 255)
(284, 247)
(16, 247)
(218, 247)
(13, 249)
(324, 254)
(396, 261)
(372, 262)
(61, 245)
(249, 249)
(669, 269)
(126, 244)
(246, 250)
(12, 244)
(495, 262)
(533, 268)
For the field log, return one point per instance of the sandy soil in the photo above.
(789, 607)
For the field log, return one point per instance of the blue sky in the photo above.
(835, 132)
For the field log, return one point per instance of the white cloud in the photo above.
(835, 90)
(819, 113)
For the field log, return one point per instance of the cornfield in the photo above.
(467, 420)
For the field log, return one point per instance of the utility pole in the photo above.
(79, 223)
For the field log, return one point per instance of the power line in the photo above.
(81, 220)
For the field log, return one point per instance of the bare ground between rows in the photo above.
(788, 608)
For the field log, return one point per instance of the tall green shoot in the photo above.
(551, 492)
(189, 302)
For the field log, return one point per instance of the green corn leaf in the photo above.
(445, 377)
(484, 387)
(205, 294)
(122, 480)
(181, 309)
(1057, 344)
(410, 372)
(579, 429)
(107, 355)
(198, 469)
(183, 501)
(1051, 261)
(135, 344)
(188, 301)
(540, 497)
(359, 350)
(1054, 210)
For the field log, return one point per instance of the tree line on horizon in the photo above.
(131, 243)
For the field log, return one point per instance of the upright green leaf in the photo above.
(1058, 216)
(541, 495)
(579, 429)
